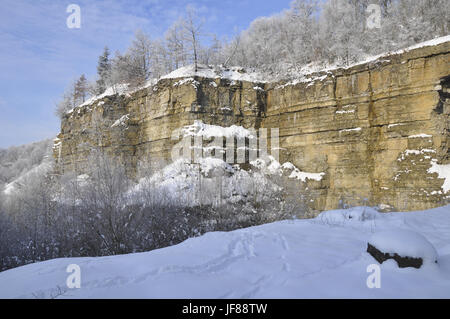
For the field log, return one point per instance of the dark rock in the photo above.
(402, 261)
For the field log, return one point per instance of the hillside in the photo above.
(20, 162)
(320, 258)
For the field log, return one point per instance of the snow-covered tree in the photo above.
(64, 105)
(310, 33)
(160, 63)
(122, 69)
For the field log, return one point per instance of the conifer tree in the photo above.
(103, 71)
(80, 90)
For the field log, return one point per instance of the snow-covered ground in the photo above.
(323, 257)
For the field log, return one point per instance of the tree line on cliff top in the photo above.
(310, 33)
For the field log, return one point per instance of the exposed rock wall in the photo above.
(139, 126)
(379, 131)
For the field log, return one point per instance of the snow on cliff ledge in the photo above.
(241, 74)
(429, 43)
(287, 259)
(215, 72)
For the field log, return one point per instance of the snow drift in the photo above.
(287, 259)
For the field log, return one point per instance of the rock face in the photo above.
(379, 131)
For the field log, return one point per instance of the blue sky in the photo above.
(40, 56)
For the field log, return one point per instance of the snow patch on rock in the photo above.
(214, 72)
(443, 171)
(405, 243)
(352, 130)
(422, 135)
(122, 121)
(207, 131)
(120, 89)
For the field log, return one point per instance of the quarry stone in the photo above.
(373, 129)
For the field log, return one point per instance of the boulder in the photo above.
(407, 248)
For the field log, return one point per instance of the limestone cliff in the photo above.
(378, 130)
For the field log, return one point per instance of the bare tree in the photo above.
(175, 44)
(192, 27)
(140, 56)
(232, 49)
